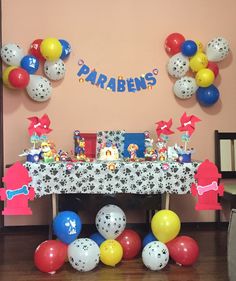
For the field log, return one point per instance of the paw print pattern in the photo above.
(138, 177)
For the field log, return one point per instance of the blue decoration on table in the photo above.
(135, 138)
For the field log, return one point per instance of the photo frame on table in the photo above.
(134, 138)
(90, 143)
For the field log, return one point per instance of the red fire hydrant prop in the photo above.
(207, 188)
(17, 192)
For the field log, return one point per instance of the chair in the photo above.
(225, 159)
(231, 256)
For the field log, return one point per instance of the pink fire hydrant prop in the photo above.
(207, 188)
(17, 193)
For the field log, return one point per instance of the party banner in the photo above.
(119, 84)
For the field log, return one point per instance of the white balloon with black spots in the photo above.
(217, 49)
(110, 221)
(83, 254)
(178, 65)
(39, 88)
(12, 54)
(155, 255)
(55, 70)
(185, 87)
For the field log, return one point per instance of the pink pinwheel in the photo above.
(163, 127)
(188, 123)
(39, 126)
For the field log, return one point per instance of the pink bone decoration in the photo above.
(202, 189)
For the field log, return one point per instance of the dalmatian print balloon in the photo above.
(178, 65)
(39, 88)
(12, 54)
(185, 87)
(110, 221)
(217, 49)
(155, 255)
(55, 70)
(83, 254)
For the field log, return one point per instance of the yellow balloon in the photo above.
(200, 46)
(198, 62)
(111, 252)
(205, 77)
(165, 225)
(51, 49)
(5, 76)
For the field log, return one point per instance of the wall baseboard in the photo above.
(142, 228)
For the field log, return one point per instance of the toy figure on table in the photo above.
(187, 126)
(132, 148)
(80, 147)
(150, 153)
(163, 130)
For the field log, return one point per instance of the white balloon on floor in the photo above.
(83, 254)
(155, 255)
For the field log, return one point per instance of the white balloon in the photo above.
(178, 65)
(12, 54)
(83, 254)
(185, 87)
(110, 221)
(39, 88)
(217, 49)
(55, 70)
(155, 255)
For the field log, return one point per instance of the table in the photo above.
(97, 177)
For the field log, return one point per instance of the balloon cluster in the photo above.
(113, 242)
(189, 55)
(163, 242)
(21, 69)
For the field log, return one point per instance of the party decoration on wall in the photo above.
(119, 84)
(207, 188)
(17, 191)
(189, 55)
(163, 130)
(187, 126)
(20, 73)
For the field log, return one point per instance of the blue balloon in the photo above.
(67, 226)
(30, 64)
(207, 96)
(148, 238)
(66, 49)
(189, 48)
(97, 237)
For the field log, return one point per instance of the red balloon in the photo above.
(183, 250)
(214, 67)
(173, 43)
(50, 255)
(19, 78)
(130, 242)
(35, 49)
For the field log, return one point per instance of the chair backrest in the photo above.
(225, 153)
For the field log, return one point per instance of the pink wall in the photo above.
(118, 38)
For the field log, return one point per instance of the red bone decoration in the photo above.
(207, 188)
(17, 192)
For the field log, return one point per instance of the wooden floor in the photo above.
(16, 262)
